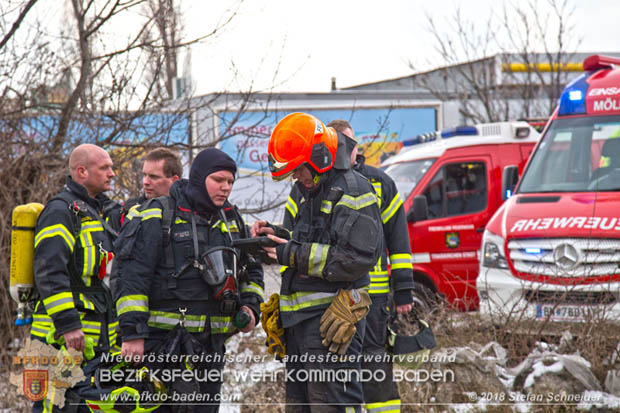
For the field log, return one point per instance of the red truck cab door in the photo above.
(461, 199)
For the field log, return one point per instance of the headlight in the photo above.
(493, 251)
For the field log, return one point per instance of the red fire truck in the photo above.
(451, 185)
(552, 251)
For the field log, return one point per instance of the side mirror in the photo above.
(419, 210)
(510, 177)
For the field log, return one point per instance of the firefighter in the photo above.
(178, 280)
(73, 245)
(160, 170)
(381, 396)
(334, 243)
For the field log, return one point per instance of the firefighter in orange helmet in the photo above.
(335, 241)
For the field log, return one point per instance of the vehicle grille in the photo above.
(565, 257)
(570, 297)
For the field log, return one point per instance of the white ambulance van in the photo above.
(552, 251)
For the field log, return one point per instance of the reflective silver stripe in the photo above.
(221, 324)
(253, 288)
(392, 208)
(55, 230)
(391, 406)
(150, 213)
(40, 329)
(317, 259)
(359, 202)
(132, 303)
(61, 302)
(326, 207)
(304, 299)
(169, 320)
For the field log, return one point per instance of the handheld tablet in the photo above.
(254, 246)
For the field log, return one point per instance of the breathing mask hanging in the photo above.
(220, 273)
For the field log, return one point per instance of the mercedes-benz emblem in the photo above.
(566, 256)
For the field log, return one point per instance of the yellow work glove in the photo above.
(338, 321)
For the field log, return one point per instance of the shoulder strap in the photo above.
(351, 181)
(77, 206)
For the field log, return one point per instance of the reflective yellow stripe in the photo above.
(57, 230)
(326, 207)
(253, 288)
(112, 333)
(358, 202)
(304, 299)
(221, 324)
(167, 321)
(133, 212)
(291, 206)
(86, 303)
(377, 187)
(401, 261)
(129, 303)
(58, 302)
(392, 208)
(317, 259)
(180, 221)
(390, 406)
(150, 213)
(40, 328)
(90, 249)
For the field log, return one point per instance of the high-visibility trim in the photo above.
(390, 406)
(222, 325)
(305, 299)
(129, 303)
(349, 409)
(317, 259)
(221, 225)
(379, 288)
(326, 207)
(92, 329)
(86, 303)
(90, 249)
(112, 333)
(378, 269)
(358, 202)
(283, 268)
(392, 208)
(40, 328)
(150, 213)
(377, 187)
(180, 221)
(291, 207)
(58, 230)
(253, 288)
(133, 212)
(167, 321)
(401, 261)
(58, 302)
(232, 226)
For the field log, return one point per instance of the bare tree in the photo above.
(512, 65)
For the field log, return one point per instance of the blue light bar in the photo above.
(573, 99)
(446, 133)
(533, 250)
(459, 131)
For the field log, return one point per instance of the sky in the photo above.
(298, 46)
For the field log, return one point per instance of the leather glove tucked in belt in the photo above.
(338, 321)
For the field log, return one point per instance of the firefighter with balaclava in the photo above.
(181, 287)
(335, 241)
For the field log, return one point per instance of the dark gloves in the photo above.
(286, 253)
(402, 297)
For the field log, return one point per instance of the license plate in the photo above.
(563, 312)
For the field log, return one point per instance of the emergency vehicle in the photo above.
(552, 251)
(450, 182)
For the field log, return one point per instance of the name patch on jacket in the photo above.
(181, 235)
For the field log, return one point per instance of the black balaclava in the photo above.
(208, 161)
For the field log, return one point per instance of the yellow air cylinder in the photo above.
(22, 257)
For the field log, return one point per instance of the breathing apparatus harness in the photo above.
(219, 266)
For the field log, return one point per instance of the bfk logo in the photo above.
(35, 384)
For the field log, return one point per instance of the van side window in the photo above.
(463, 191)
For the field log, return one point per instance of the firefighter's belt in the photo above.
(270, 320)
(338, 321)
(401, 344)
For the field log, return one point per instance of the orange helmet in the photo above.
(301, 138)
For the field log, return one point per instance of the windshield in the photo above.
(406, 175)
(576, 155)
